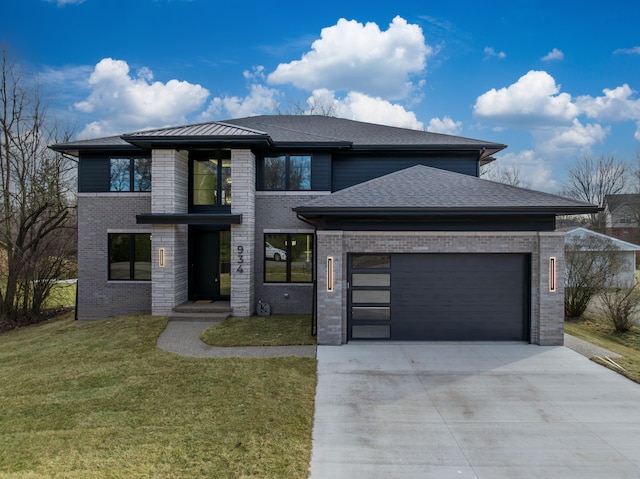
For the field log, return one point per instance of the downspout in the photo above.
(314, 282)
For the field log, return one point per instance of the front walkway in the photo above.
(183, 337)
(490, 410)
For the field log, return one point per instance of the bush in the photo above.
(620, 306)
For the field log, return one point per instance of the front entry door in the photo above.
(209, 264)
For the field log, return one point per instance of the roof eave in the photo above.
(400, 211)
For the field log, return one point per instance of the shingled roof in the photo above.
(289, 130)
(422, 189)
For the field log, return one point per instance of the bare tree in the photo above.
(509, 175)
(591, 179)
(591, 262)
(36, 205)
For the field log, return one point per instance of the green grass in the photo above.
(99, 400)
(597, 330)
(276, 330)
(62, 295)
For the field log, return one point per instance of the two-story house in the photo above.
(621, 216)
(381, 232)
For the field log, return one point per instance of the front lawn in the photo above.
(275, 330)
(597, 330)
(98, 400)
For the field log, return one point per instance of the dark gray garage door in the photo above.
(439, 297)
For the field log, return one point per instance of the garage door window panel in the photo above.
(370, 297)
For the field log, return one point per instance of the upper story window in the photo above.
(287, 172)
(210, 180)
(129, 174)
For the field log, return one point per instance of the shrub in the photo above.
(620, 306)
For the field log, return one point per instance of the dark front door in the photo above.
(208, 264)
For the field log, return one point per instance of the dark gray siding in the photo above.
(460, 297)
(93, 174)
(349, 170)
(321, 172)
(450, 222)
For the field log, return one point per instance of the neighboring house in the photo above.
(387, 233)
(622, 213)
(623, 252)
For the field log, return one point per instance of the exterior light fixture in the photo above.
(330, 275)
(161, 258)
(552, 274)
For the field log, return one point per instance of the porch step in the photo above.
(202, 311)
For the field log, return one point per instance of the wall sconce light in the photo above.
(161, 258)
(330, 275)
(552, 274)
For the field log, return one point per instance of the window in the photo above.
(287, 172)
(130, 256)
(130, 174)
(288, 258)
(211, 180)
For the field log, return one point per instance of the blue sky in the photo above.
(552, 81)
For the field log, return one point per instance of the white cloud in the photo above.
(260, 100)
(576, 136)
(123, 103)
(533, 101)
(350, 56)
(615, 105)
(490, 52)
(444, 125)
(361, 107)
(553, 55)
(529, 165)
(628, 51)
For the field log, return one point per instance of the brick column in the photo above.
(550, 327)
(332, 308)
(243, 243)
(170, 170)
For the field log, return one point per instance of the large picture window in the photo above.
(130, 256)
(129, 174)
(211, 180)
(287, 172)
(288, 258)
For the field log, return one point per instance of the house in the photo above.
(382, 232)
(624, 253)
(621, 216)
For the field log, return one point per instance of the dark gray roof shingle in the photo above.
(426, 189)
(287, 130)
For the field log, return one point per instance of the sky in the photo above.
(552, 81)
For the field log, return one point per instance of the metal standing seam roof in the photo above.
(426, 189)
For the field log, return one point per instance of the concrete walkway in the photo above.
(490, 410)
(183, 337)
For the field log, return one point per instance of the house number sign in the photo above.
(240, 268)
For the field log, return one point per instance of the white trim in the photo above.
(145, 230)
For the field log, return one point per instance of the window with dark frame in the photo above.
(288, 258)
(129, 174)
(129, 257)
(287, 173)
(210, 180)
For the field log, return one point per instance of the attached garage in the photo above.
(424, 254)
(439, 297)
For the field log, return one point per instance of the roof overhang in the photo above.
(311, 212)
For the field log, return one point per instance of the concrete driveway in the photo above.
(490, 410)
